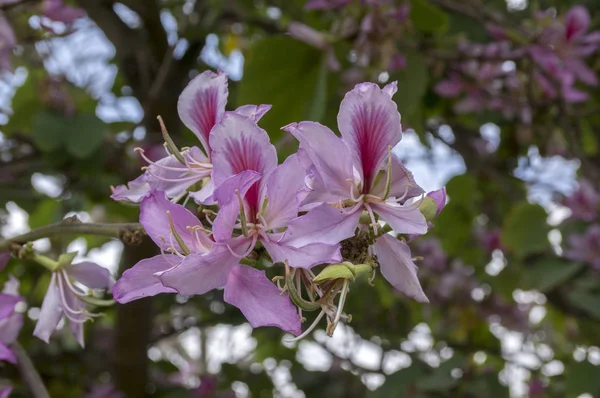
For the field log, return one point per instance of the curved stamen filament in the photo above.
(310, 328)
(182, 179)
(158, 165)
(342, 301)
(247, 253)
(72, 314)
(388, 179)
(374, 223)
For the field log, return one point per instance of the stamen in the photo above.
(156, 164)
(388, 180)
(352, 191)
(182, 179)
(206, 213)
(178, 237)
(243, 220)
(170, 144)
(374, 223)
(69, 312)
(341, 303)
(309, 330)
(263, 208)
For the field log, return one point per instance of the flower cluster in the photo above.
(584, 205)
(344, 204)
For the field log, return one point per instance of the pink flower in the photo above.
(585, 247)
(357, 173)
(584, 202)
(201, 105)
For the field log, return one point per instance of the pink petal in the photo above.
(10, 327)
(200, 273)
(398, 268)
(323, 224)
(239, 145)
(303, 257)
(154, 219)
(134, 191)
(7, 304)
(440, 199)
(577, 22)
(202, 103)
(282, 189)
(57, 11)
(402, 182)
(139, 281)
(404, 219)
(253, 112)
(5, 392)
(329, 154)
(582, 71)
(50, 313)
(370, 123)
(225, 195)
(260, 300)
(6, 354)
(205, 195)
(91, 275)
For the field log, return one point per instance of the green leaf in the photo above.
(81, 134)
(397, 384)
(45, 213)
(588, 302)
(25, 103)
(285, 73)
(487, 385)
(318, 106)
(582, 377)
(427, 17)
(589, 141)
(85, 134)
(548, 274)
(412, 86)
(48, 130)
(525, 230)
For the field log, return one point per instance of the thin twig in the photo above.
(30, 376)
(130, 233)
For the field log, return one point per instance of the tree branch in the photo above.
(130, 233)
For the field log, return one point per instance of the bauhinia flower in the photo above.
(65, 298)
(10, 321)
(258, 199)
(561, 54)
(192, 263)
(358, 174)
(201, 105)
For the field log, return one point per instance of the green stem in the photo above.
(30, 376)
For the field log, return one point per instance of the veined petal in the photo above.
(260, 300)
(225, 194)
(139, 281)
(282, 189)
(154, 219)
(404, 219)
(301, 257)
(323, 224)
(402, 182)
(91, 275)
(397, 267)
(6, 354)
(200, 273)
(370, 123)
(329, 154)
(205, 195)
(253, 112)
(577, 22)
(134, 191)
(7, 304)
(390, 89)
(237, 145)
(50, 313)
(202, 103)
